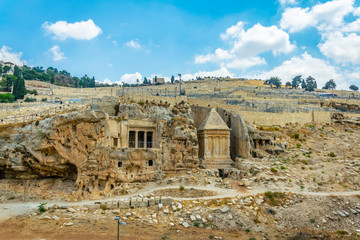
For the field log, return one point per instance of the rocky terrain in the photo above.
(297, 181)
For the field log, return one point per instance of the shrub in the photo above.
(247, 230)
(274, 170)
(181, 187)
(283, 167)
(298, 145)
(7, 98)
(296, 136)
(37, 123)
(332, 154)
(42, 134)
(274, 198)
(342, 232)
(41, 207)
(196, 224)
(211, 237)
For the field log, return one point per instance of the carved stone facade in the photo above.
(214, 142)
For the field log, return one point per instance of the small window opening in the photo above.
(141, 139)
(149, 140)
(132, 139)
(150, 163)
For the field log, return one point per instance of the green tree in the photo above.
(288, 84)
(19, 90)
(76, 81)
(330, 84)
(172, 79)
(8, 82)
(5, 69)
(155, 80)
(354, 87)
(145, 81)
(296, 81)
(7, 98)
(92, 82)
(1, 69)
(303, 84)
(17, 71)
(276, 81)
(310, 84)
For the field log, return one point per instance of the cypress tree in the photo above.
(19, 88)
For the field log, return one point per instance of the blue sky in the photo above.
(123, 40)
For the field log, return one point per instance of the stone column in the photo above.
(136, 139)
(145, 139)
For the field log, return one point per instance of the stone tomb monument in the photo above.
(214, 142)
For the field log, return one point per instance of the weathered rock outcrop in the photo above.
(74, 146)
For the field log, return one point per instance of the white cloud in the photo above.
(131, 78)
(8, 55)
(84, 30)
(306, 65)
(288, 2)
(114, 42)
(133, 44)
(246, 45)
(324, 16)
(342, 49)
(246, 63)
(259, 39)
(220, 54)
(108, 81)
(222, 72)
(57, 55)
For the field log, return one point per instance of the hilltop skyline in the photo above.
(119, 41)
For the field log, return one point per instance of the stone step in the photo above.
(218, 164)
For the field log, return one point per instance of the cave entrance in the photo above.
(222, 173)
(2, 173)
(71, 172)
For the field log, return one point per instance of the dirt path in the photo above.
(8, 210)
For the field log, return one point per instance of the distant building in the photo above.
(9, 64)
(159, 80)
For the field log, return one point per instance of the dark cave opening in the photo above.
(71, 172)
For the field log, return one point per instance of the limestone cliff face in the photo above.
(75, 146)
(54, 147)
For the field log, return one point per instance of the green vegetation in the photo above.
(296, 136)
(296, 81)
(332, 154)
(354, 87)
(196, 224)
(42, 134)
(274, 170)
(181, 187)
(41, 207)
(330, 84)
(276, 81)
(342, 232)
(7, 98)
(309, 84)
(274, 198)
(298, 145)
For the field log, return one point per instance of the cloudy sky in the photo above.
(117, 40)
